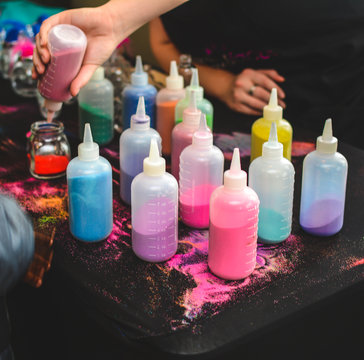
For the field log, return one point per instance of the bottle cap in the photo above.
(154, 165)
(203, 136)
(140, 118)
(195, 85)
(88, 150)
(67, 36)
(99, 74)
(174, 81)
(272, 148)
(235, 178)
(51, 105)
(327, 143)
(139, 77)
(273, 111)
(191, 115)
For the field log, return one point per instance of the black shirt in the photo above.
(318, 46)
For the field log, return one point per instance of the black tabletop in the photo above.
(178, 307)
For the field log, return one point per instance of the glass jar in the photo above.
(185, 68)
(48, 150)
(21, 78)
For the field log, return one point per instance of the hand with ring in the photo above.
(251, 91)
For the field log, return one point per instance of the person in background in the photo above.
(16, 253)
(312, 52)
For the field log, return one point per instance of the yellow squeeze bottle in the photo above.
(261, 128)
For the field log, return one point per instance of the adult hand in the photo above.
(102, 38)
(250, 91)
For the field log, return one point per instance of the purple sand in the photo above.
(329, 229)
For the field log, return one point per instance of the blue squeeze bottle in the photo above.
(134, 148)
(89, 179)
(139, 87)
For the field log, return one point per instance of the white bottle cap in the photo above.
(99, 74)
(272, 148)
(154, 165)
(52, 106)
(140, 119)
(139, 77)
(273, 111)
(88, 150)
(195, 85)
(203, 136)
(174, 81)
(235, 178)
(191, 115)
(327, 143)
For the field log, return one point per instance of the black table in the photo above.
(100, 300)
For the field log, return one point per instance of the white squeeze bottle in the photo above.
(154, 209)
(166, 101)
(201, 172)
(271, 176)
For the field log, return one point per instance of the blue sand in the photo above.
(272, 226)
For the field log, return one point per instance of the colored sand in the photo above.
(90, 208)
(101, 124)
(50, 164)
(165, 124)
(323, 218)
(55, 82)
(232, 252)
(272, 226)
(125, 186)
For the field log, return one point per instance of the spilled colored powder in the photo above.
(50, 164)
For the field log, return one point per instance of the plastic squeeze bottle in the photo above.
(271, 176)
(233, 229)
(134, 148)
(203, 104)
(182, 133)
(323, 187)
(67, 45)
(139, 87)
(261, 128)
(89, 182)
(166, 101)
(96, 107)
(201, 172)
(154, 210)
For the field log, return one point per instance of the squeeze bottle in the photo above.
(67, 46)
(134, 147)
(182, 133)
(139, 87)
(234, 211)
(261, 128)
(166, 101)
(271, 176)
(96, 107)
(201, 172)
(89, 180)
(203, 104)
(323, 186)
(154, 210)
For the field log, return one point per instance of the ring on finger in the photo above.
(251, 90)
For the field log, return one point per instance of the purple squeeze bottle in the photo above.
(154, 210)
(182, 132)
(323, 187)
(67, 46)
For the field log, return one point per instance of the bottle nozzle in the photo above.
(327, 143)
(154, 164)
(272, 148)
(192, 105)
(174, 80)
(192, 115)
(138, 65)
(235, 178)
(273, 111)
(88, 150)
(203, 136)
(140, 117)
(194, 78)
(140, 112)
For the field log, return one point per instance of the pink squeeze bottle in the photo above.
(182, 132)
(201, 172)
(234, 209)
(67, 45)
